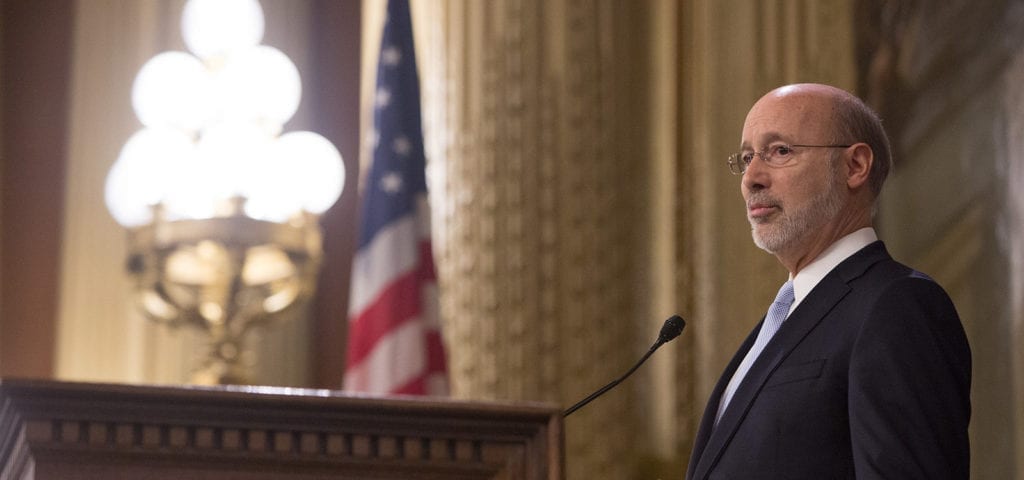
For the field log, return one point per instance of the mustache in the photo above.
(762, 199)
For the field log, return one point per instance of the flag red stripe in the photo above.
(417, 386)
(397, 304)
(436, 360)
(426, 263)
(436, 363)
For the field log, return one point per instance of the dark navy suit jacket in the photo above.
(868, 378)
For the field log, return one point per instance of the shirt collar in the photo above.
(813, 273)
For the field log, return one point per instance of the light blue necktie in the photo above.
(776, 315)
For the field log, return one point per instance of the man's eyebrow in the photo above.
(766, 138)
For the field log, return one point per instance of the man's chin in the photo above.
(766, 242)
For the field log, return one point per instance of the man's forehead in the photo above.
(781, 117)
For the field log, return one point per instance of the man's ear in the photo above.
(858, 165)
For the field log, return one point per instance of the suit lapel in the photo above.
(707, 423)
(801, 321)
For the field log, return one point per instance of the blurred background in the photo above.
(579, 192)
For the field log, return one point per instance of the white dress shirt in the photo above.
(808, 278)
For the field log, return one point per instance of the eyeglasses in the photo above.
(776, 155)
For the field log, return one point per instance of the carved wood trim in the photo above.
(92, 431)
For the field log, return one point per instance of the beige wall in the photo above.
(34, 68)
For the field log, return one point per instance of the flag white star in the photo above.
(383, 97)
(391, 182)
(391, 56)
(373, 138)
(401, 145)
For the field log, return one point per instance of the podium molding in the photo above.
(87, 431)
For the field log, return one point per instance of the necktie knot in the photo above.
(784, 298)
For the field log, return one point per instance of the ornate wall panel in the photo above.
(537, 212)
(953, 208)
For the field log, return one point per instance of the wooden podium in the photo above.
(75, 431)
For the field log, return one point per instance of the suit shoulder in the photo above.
(895, 296)
(888, 275)
(911, 306)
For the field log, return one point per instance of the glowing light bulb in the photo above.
(321, 173)
(214, 28)
(140, 176)
(172, 90)
(259, 84)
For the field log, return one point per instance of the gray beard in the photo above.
(796, 224)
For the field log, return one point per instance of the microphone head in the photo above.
(671, 329)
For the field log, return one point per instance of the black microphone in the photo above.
(669, 331)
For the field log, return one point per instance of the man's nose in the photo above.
(757, 175)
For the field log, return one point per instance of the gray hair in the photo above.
(856, 122)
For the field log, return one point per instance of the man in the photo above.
(861, 368)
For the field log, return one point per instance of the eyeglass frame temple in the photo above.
(739, 155)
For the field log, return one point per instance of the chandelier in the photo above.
(220, 204)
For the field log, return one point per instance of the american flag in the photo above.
(394, 337)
